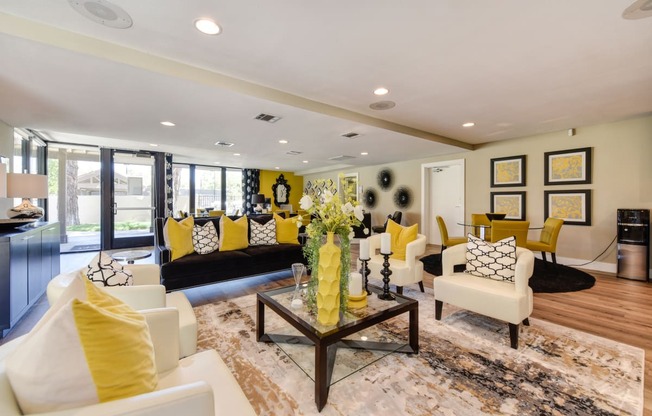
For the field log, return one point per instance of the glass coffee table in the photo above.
(298, 333)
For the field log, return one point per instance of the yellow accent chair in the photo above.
(447, 241)
(481, 219)
(216, 213)
(504, 228)
(548, 239)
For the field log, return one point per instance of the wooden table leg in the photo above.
(321, 370)
(414, 329)
(260, 319)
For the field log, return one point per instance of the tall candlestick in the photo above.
(385, 243)
(355, 284)
(364, 249)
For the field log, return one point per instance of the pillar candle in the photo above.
(355, 284)
(385, 243)
(364, 249)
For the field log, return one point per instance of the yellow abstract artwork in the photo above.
(508, 172)
(569, 207)
(569, 167)
(511, 205)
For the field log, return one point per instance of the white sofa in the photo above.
(404, 272)
(506, 301)
(198, 385)
(146, 293)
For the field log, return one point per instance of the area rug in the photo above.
(465, 367)
(547, 278)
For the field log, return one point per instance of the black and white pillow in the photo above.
(106, 270)
(495, 261)
(263, 234)
(204, 238)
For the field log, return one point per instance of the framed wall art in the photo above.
(281, 191)
(572, 206)
(508, 171)
(510, 203)
(348, 187)
(568, 167)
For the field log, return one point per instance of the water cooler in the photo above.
(633, 244)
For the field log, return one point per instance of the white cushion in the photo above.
(204, 238)
(495, 261)
(106, 270)
(263, 234)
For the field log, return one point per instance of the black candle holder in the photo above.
(364, 271)
(386, 272)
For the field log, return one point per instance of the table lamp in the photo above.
(259, 200)
(26, 186)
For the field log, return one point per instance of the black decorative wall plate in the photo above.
(369, 198)
(385, 179)
(403, 197)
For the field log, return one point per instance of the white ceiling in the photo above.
(514, 68)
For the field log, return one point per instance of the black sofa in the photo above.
(202, 269)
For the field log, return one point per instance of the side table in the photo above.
(131, 255)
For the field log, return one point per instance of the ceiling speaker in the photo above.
(103, 12)
(382, 105)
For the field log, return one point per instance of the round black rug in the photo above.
(546, 279)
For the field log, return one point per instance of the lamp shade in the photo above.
(258, 199)
(25, 185)
(3, 180)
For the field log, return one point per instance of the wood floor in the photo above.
(614, 308)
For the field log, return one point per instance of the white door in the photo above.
(444, 185)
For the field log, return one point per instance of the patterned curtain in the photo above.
(169, 198)
(250, 186)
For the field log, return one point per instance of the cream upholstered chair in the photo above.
(404, 272)
(447, 241)
(548, 239)
(506, 301)
(501, 229)
(200, 384)
(146, 293)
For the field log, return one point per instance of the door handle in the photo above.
(115, 208)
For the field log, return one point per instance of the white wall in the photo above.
(622, 178)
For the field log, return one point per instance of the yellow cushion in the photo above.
(233, 234)
(179, 236)
(86, 352)
(401, 236)
(287, 231)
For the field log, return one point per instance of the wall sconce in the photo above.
(26, 186)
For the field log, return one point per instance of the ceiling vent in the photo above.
(341, 158)
(350, 135)
(268, 118)
(223, 144)
(103, 12)
(293, 153)
(382, 105)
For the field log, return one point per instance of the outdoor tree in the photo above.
(72, 199)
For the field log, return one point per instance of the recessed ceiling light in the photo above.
(276, 167)
(305, 161)
(469, 124)
(236, 154)
(217, 163)
(207, 26)
(283, 141)
(153, 144)
(364, 153)
(168, 123)
(381, 91)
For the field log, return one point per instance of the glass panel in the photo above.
(17, 166)
(234, 195)
(133, 195)
(208, 188)
(180, 189)
(74, 182)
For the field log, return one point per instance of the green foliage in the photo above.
(121, 226)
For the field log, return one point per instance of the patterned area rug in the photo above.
(465, 367)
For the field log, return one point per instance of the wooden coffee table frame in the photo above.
(326, 343)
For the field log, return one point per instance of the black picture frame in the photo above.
(568, 167)
(508, 171)
(572, 205)
(511, 203)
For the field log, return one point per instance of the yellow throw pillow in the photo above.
(287, 231)
(233, 234)
(84, 353)
(179, 236)
(401, 236)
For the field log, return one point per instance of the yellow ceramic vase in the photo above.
(328, 291)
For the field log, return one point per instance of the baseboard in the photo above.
(596, 266)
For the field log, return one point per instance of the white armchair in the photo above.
(146, 293)
(200, 384)
(404, 272)
(506, 301)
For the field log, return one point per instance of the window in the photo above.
(208, 188)
(180, 189)
(234, 196)
(199, 187)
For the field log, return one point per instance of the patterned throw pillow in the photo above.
(204, 239)
(106, 270)
(495, 261)
(263, 234)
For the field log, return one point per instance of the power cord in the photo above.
(597, 257)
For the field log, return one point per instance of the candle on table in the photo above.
(385, 243)
(355, 284)
(364, 249)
